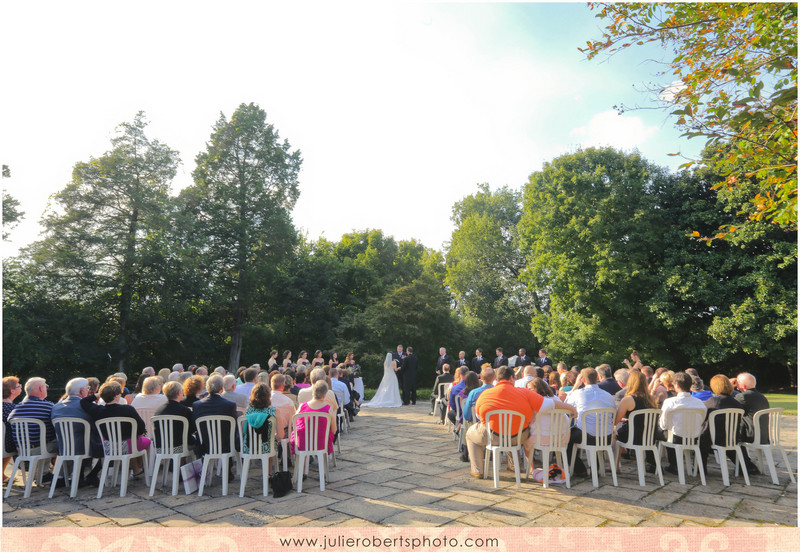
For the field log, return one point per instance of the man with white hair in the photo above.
(148, 371)
(752, 401)
(338, 385)
(621, 376)
(35, 405)
(229, 392)
(215, 405)
(177, 367)
(201, 371)
(70, 407)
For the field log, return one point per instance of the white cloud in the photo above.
(609, 128)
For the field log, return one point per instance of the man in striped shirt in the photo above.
(35, 405)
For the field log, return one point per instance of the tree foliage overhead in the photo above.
(734, 82)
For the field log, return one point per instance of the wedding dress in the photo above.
(388, 393)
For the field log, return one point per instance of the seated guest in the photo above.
(11, 390)
(146, 373)
(342, 386)
(305, 395)
(70, 407)
(503, 396)
(568, 380)
(317, 403)
(458, 385)
(554, 381)
(664, 387)
(164, 374)
(722, 391)
(284, 406)
(192, 387)
(260, 415)
(487, 377)
(637, 397)
(289, 387)
(201, 371)
(694, 373)
(444, 377)
(35, 405)
(621, 376)
(751, 400)
(151, 396)
(541, 424)
(588, 397)
(221, 371)
(698, 389)
(300, 381)
(215, 405)
(94, 385)
(173, 392)
(648, 372)
(605, 381)
(682, 399)
(471, 382)
(110, 393)
(229, 392)
(528, 373)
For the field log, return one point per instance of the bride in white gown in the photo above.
(388, 393)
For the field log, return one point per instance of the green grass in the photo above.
(422, 394)
(783, 400)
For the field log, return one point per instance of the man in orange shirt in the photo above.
(504, 396)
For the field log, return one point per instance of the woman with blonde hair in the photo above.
(326, 430)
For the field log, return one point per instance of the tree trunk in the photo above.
(236, 340)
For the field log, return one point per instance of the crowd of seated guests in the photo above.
(190, 393)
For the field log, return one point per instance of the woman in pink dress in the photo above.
(327, 426)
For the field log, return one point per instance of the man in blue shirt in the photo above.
(70, 407)
(35, 406)
(487, 377)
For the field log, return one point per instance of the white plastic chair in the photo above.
(441, 399)
(459, 436)
(308, 445)
(603, 426)
(146, 414)
(37, 456)
(341, 414)
(557, 442)
(505, 421)
(217, 436)
(70, 449)
(116, 450)
(446, 405)
(8, 453)
(773, 439)
(691, 421)
(167, 449)
(254, 445)
(647, 418)
(733, 417)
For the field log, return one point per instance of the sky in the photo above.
(399, 109)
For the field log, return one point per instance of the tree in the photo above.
(11, 213)
(592, 234)
(105, 229)
(484, 264)
(736, 71)
(245, 187)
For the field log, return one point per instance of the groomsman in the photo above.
(501, 359)
(478, 361)
(523, 359)
(410, 363)
(443, 359)
(462, 359)
(543, 359)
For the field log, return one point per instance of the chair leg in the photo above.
(59, 465)
(156, 466)
(770, 462)
(722, 459)
(679, 459)
(593, 466)
(699, 465)
(103, 477)
(265, 476)
(203, 473)
(740, 461)
(787, 464)
(243, 477)
(640, 465)
(225, 464)
(123, 485)
(76, 475)
(486, 463)
(496, 468)
(563, 455)
(611, 465)
(323, 462)
(545, 466)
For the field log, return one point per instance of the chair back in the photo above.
(646, 418)
(505, 424)
(459, 406)
(442, 390)
(340, 401)
(313, 424)
(25, 431)
(165, 439)
(730, 425)
(70, 441)
(214, 434)
(557, 435)
(252, 439)
(690, 422)
(773, 436)
(6, 453)
(601, 424)
(146, 414)
(111, 432)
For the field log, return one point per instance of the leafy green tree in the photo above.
(484, 264)
(245, 187)
(105, 230)
(11, 213)
(734, 82)
(592, 234)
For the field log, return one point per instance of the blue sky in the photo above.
(399, 109)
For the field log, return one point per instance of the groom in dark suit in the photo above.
(409, 370)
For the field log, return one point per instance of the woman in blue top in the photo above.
(258, 415)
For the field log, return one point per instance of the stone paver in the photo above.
(399, 468)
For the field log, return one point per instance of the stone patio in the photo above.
(399, 468)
